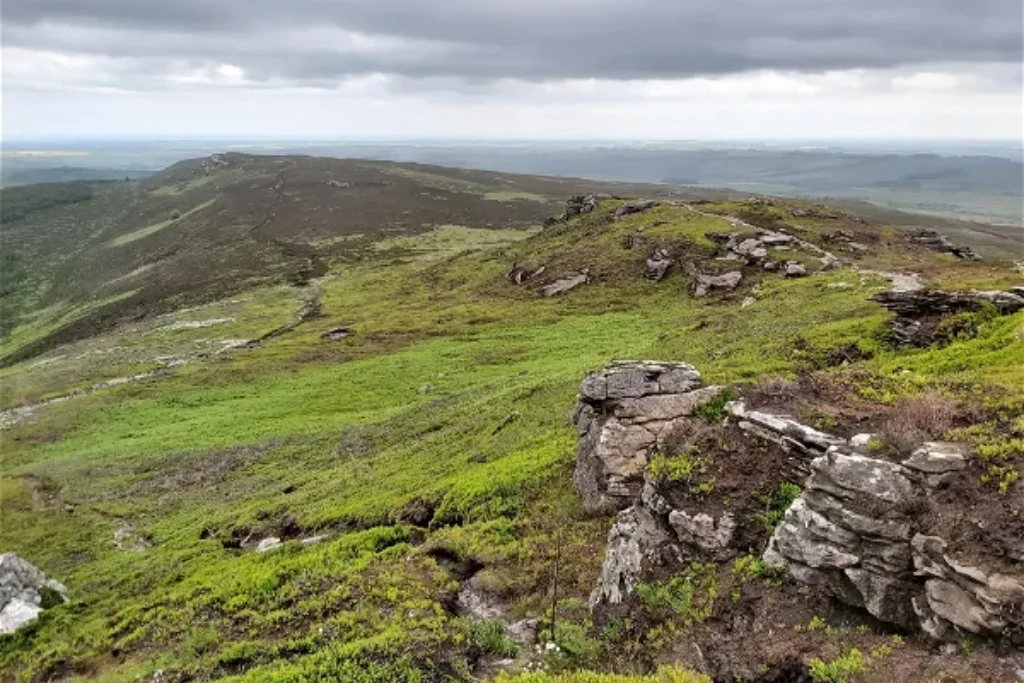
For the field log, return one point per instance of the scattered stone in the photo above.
(268, 544)
(940, 243)
(631, 208)
(771, 265)
(128, 540)
(703, 284)
(24, 592)
(658, 264)
(578, 205)
(862, 441)
(812, 213)
(776, 239)
(336, 333)
(565, 284)
(520, 275)
(748, 301)
(339, 183)
(795, 269)
(426, 389)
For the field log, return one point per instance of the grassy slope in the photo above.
(340, 437)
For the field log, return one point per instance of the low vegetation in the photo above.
(429, 444)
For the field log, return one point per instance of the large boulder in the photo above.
(24, 592)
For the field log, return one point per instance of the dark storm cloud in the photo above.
(317, 41)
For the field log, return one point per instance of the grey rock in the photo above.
(565, 284)
(623, 415)
(703, 531)
(336, 333)
(268, 544)
(631, 208)
(128, 540)
(703, 284)
(855, 476)
(21, 592)
(776, 239)
(426, 389)
(794, 269)
(937, 461)
(579, 205)
(636, 544)
(658, 265)
(745, 247)
(861, 441)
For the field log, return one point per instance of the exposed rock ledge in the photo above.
(857, 531)
(624, 414)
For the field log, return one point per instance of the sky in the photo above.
(513, 69)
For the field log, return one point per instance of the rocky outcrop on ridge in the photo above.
(624, 414)
(940, 243)
(919, 313)
(859, 531)
(24, 592)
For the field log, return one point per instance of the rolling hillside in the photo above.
(300, 419)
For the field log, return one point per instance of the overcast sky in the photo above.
(626, 69)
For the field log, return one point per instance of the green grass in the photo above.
(154, 228)
(339, 437)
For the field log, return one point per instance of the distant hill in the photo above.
(65, 174)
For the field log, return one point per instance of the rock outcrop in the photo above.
(855, 531)
(629, 208)
(624, 413)
(940, 243)
(658, 264)
(24, 592)
(702, 284)
(919, 313)
(860, 530)
(578, 205)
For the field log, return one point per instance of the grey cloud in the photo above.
(523, 39)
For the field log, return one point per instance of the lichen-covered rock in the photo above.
(578, 205)
(623, 415)
(637, 544)
(658, 265)
(962, 597)
(852, 533)
(22, 590)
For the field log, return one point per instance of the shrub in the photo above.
(492, 638)
(714, 410)
(918, 418)
(776, 504)
(842, 669)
